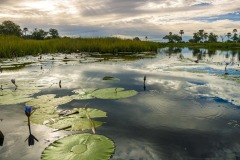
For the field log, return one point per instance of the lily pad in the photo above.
(83, 93)
(113, 93)
(74, 123)
(80, 146)
(111, 79)
(48, 100)
(80, 119)
(93, 113)
(44, 115)
(46, 112)
(11, 96)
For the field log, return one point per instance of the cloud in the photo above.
(152, 18)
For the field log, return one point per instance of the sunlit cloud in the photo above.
(152, 18)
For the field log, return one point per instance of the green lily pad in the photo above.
(48, 100)
(46, 112)
(80, 119)
(93, 113)
(74, 123)
(83, 93)
(11, 96)
(111, 79)
(44, 115)
(113, 93)
(80, 146)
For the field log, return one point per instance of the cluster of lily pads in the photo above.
(77, 146)
(45, 112)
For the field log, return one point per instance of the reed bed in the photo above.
(11, 46)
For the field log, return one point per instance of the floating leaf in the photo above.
(11, 96)
(83, 93)
(80, 146)
(113, 93)
(44, 115)
(93, 113)
(46, 112)
(111, 79)
(80, 120)
(48, 100)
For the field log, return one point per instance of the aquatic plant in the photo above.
(79, 119)
(46, 107)
(111, 79)
(31, 138)
(80, 146)
(113, 93)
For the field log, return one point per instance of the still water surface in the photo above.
(179, 115)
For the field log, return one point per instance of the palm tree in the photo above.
(181, 32)
(203, 35)
(234, 30)
(25, 30)
(146, 38)
(235, 36)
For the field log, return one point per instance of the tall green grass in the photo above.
(11, 46)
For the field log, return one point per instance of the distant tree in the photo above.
(146, 38)
(229, 35)
(177, 38)
(25, 31)
(196, 38)
(53, 32)
(136, 39)
(39, 34)
(169, 37)
(212, 37)
(203, 35)
(235, 35)
(181, 32)
(172, 38)
(200, 36)
(10, 28)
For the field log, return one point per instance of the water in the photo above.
(179, 115)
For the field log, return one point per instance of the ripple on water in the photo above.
(160, 110)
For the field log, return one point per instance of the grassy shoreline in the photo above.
(11, 46)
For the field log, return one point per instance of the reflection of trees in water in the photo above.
(234, 55)
(172, 50)
(211, 52)
(200, 54)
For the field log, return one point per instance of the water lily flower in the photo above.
(28, 111)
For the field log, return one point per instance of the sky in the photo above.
(124, 18)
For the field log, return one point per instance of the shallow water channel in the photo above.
(187, 109)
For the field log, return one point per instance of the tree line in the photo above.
(11, 28)
(203, 37)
